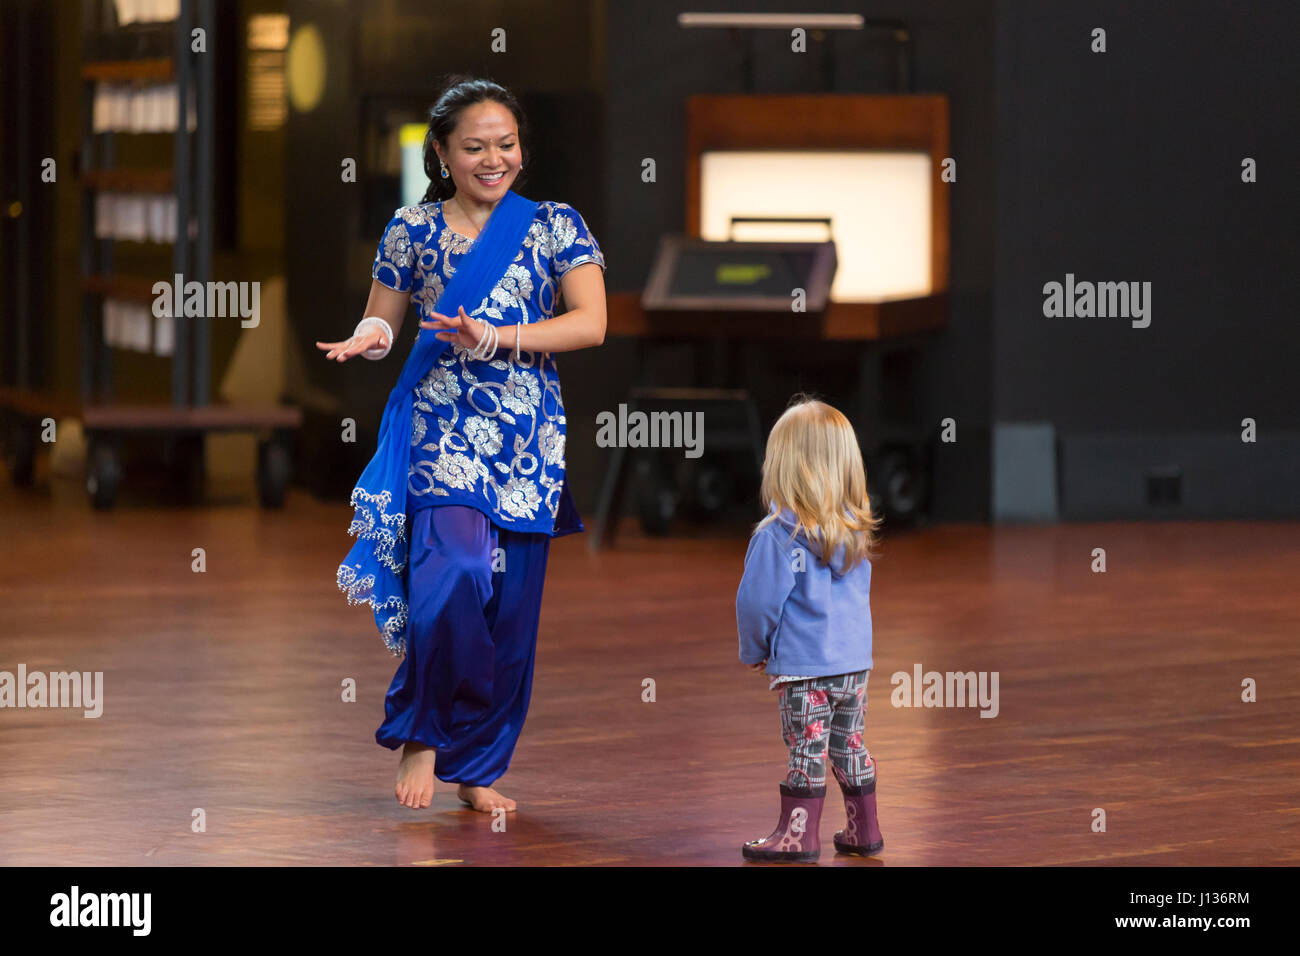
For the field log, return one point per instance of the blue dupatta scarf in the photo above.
(374, 571)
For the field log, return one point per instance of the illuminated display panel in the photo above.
(878, 202)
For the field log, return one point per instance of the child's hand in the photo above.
(758, 668)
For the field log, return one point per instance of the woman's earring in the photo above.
(444, 169)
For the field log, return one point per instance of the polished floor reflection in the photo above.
(223, 699)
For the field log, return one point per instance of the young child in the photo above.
(808, 619)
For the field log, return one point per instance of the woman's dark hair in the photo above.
(462, 90)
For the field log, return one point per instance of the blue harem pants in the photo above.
(465, 682)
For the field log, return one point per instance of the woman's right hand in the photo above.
(371, 337)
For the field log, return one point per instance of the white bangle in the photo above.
(487, 343)
(477, 351)
(378, 351)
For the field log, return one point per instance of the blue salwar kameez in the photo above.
(486, 492)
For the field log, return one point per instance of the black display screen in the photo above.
(735, 271)
(691, 273)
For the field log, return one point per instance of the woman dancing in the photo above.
(456, 511)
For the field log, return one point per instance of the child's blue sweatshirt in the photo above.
(810, 622)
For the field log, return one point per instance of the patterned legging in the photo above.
(819, 708)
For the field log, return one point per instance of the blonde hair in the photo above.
(813, 467)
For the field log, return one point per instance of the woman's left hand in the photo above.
(460, 329)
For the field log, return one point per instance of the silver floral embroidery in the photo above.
(421, 214)
(372, 522)
(530, 390)
(448, 239)
(565, 230)
(395, 255)
(450, 242)
(494, 427)
(514, 288)
(433, 283)
(484, 434)
(521, 393)
(541, 238)
(520, 498)
(564, 233)
(440, 387)
(397, 247)
(550, 441)
(362, 592)
(455, 470)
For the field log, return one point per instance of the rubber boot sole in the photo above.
(779, 856)
(854, 850)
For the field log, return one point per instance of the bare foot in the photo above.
(415, 775)
(484, 799)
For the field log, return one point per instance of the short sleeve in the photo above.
(395, 261)
(572, 241)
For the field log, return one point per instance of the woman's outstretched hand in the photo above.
(369, 338)
(460, 329)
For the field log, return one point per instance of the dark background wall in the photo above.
(1115, 166)
(605, 86)
(27, 206)
(1127, 166)
(654, 65)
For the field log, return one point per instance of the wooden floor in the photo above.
(1119, 691)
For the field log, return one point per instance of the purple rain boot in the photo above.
(795, 839)
(861, 834)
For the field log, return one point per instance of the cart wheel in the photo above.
(901, 485)
(103, 475)
(20, 455)
(712, 489)
(272, 473)
(657, 496)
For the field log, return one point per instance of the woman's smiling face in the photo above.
(486, 140)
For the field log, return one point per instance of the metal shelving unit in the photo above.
(183, 423)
